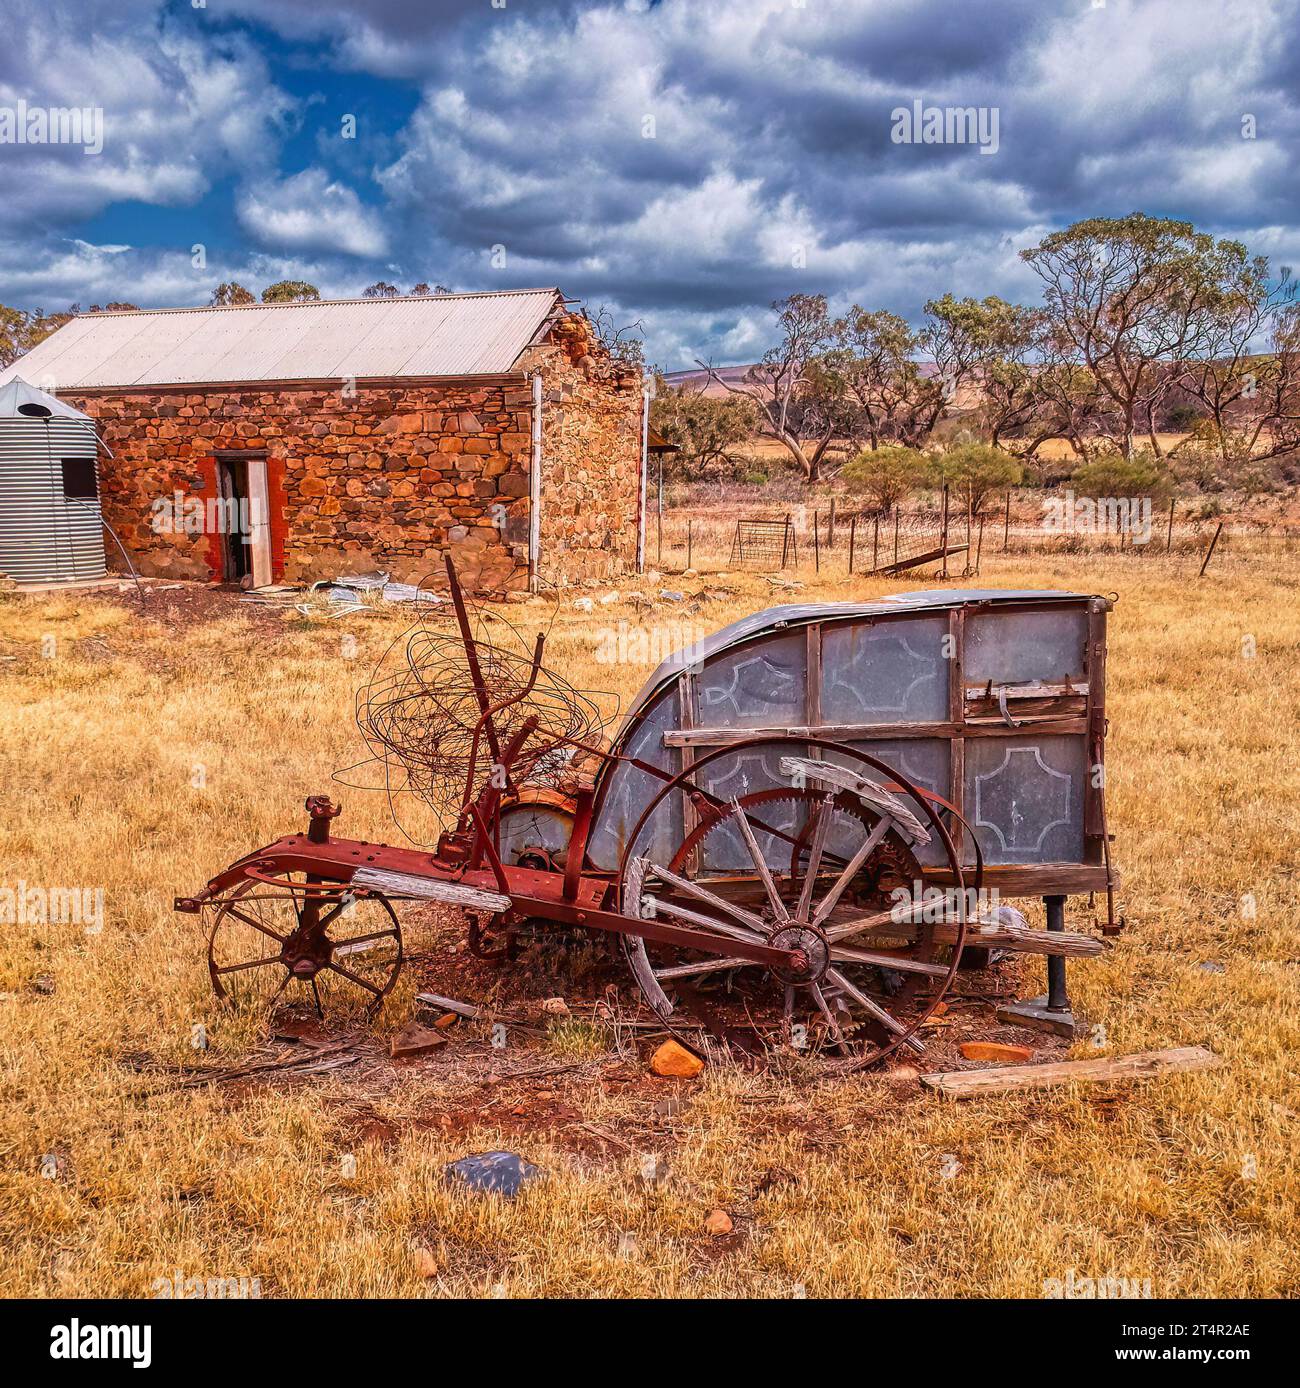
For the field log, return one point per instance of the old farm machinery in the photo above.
(765, 835)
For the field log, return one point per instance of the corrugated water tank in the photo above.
(51, 529)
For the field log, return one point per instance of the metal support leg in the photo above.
(1052, 1011)
(1058, 999)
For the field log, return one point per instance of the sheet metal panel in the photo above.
(432, 335)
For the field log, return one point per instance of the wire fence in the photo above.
(960, 541)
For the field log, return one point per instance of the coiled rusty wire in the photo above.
(420, 708)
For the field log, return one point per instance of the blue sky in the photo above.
(683, 162)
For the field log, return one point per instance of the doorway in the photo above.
(243, 521)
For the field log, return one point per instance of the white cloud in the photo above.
(309, 211)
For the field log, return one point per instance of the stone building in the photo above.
(303, 441)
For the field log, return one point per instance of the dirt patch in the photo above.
(180, 606)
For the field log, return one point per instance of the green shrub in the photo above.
(976, 469)
(886, 476)
(1111, 474)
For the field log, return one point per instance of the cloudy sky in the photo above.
(684, 162)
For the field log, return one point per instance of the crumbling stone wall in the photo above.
(591, 455)
(382, 478)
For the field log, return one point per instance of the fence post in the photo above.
(1209, 553)
(830, 527)
(979, 548)
(1006, 527)
(690, 542)
(875, 542)
(896, 514)
(1169, 534)
(943, 534)
(817, 544)
(853, 536)
(969, 525)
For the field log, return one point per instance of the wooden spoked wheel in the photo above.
(303, 940)
(848, 895)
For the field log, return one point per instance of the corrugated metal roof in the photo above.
(424, 335)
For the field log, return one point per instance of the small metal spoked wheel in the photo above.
(302, 939)
(816, 870)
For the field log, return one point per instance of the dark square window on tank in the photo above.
(79, 479)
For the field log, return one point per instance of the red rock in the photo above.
(675, 1061)
(414, 1040)
(718, 1225)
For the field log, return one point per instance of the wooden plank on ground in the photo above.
(1002, 1079)
(899, 566)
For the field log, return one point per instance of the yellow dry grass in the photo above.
(1191, 1182)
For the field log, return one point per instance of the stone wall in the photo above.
(591, 455)
(385, 478)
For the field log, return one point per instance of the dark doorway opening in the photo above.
(231, 518)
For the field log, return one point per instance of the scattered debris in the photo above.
(673, 1060)
(610, 597)
(965, 1084)
(43, 984)
(584, 604)
(312, 1062)
(496, 1173)
(995, 1050)
(1212, 966)
(718, 1225)
(556, 1007)
(461, 1009)
(671, 595)
(343, 595)
(413, 1040)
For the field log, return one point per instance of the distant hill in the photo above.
(967, 397)
(735, 375)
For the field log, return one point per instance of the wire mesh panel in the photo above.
(767, 544)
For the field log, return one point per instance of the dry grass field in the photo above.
(113, 1175)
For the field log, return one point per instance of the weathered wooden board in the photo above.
(430, 889)
(899, 566)
(1003, 1079)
